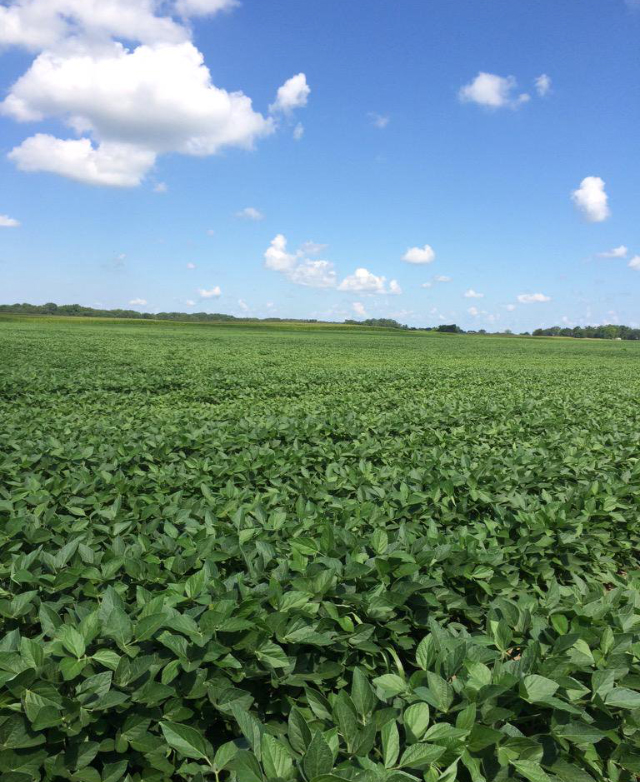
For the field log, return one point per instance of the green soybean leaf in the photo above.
(187, 741)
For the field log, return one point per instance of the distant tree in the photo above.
(450, 329)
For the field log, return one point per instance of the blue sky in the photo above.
(136, 175)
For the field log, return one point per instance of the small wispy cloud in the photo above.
(161, 187)
(312, 248)
(359, 309)
(8, 222)
(209, 294)
(379, 121)
(615, 252)
(471, 294)
(543, 85)
(250, 213)
(138, 302)
(533, 298)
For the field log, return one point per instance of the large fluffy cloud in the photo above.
(592, 200)
(115, 165)
(424, 254)
(124, 104)
(364, 281)
(276, 256)
(46, 24)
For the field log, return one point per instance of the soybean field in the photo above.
(286, 553)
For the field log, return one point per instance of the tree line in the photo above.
(609, 331)
(77, 310)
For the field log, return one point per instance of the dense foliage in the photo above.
(308, 554)
(608, 331)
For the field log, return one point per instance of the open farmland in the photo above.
(316, 553)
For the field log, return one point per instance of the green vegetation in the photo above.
(78, 310)
(304, 553)
(590, 332)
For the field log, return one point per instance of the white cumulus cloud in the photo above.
(293, 94)
(533, 298)
(125, 105)
(592, 200)
(615, 252)
(297, 267)
(209, 294)
(276, 256)
(298, 131)
(634, 263)
(473, 311)
(8, 222)
(471, 294)
(138, 302)
(424, 254)
(364, 281)
(442, 278)
(41, 24)
(109, 164)
(191, 265)
(492, 91)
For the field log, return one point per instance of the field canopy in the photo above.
(279, 553)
